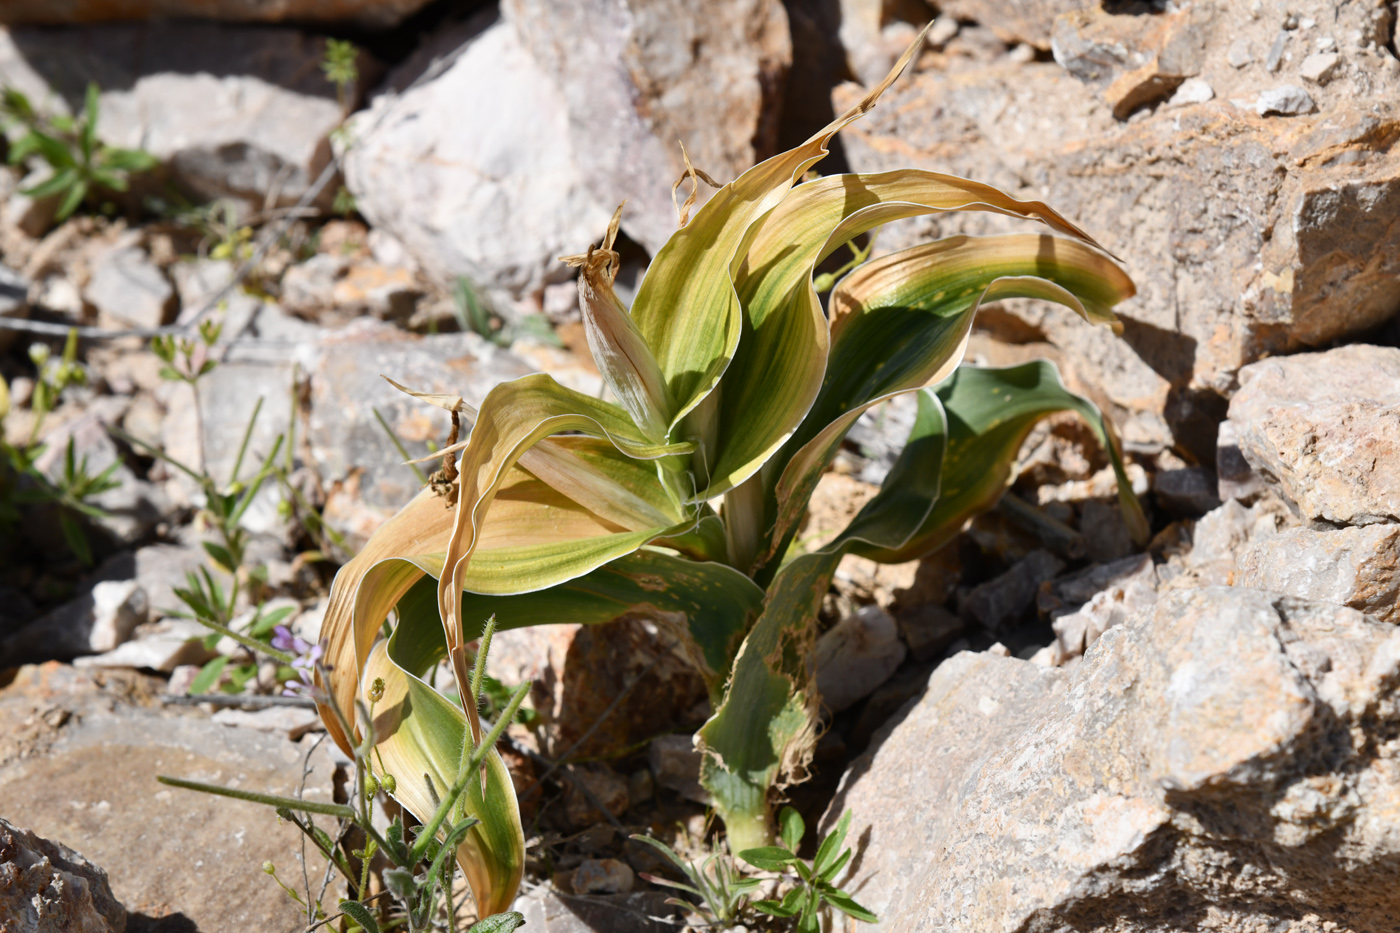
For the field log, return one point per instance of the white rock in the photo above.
(129, 288)
(293, 721)
(467, 184)
(1191, 91)
(170, 644)
(857, 656)
(1319, 67)
(1286, 100)
(240, 113)
(1239, 54)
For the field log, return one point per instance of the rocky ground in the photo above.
(1040, 727)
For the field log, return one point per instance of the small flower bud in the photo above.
(376, 690)
(389, 784)
(371, 786)
(269, 868)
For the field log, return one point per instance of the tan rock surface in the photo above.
(1215, 764)
(1356, 567)
(83, 770)
(1324, 430)
(643, 77)
(1246, 235)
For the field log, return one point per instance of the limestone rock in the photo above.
(232, 112)
(364, 475)
(675, 764)
(1209, 763)
(46, 887)
(1285, 100)
(369, 13)
(91, 782)
(603, 876)
(1281, 234)
(98, 621)
(928, 629)
(128, 290)
(1187, 491)
(638, 76)
(857, 655)
(160, 646)
(1001, 601)
(1030, 21)
(549, 911)
(973, 705)
(1356, 567)
(1324, 430)
(1129, 586)
(578, 671)
(467, 186)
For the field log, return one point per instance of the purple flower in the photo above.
(306, 659)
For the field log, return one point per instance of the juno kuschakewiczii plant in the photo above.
(732, 384)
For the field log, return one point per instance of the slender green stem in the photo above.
(250, 643)
(272, 800)
(243, 445)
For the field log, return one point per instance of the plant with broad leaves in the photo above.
(815, 887)
(82, 164)
(733, 384)
(419, 878)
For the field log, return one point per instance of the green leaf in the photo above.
(791, 828)
(88, 137)
(686, 308)
(847, 905)
(208, 675)
(772, 682)
(499, 923)
(902, 322)
(127, 160)
(990, 412)
(834, 869)
(221, 556)
(267, 623)
(768, 858)
(419, 732)
(59, 181)
(775, 908)
(715, 604)
(361, 915)
(72, 199)
(831, 845)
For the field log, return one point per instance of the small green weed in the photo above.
(83, 166)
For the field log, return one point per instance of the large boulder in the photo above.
(231, 112)
(641, 78)
(1324, 430)
(79, 760)
(1247, 235)
(1215, 762)
(370, 13)
(46, 887)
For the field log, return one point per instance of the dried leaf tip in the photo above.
(696, 176)
(602, 258)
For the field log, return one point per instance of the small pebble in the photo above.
(1286, 100)
(603, 876)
